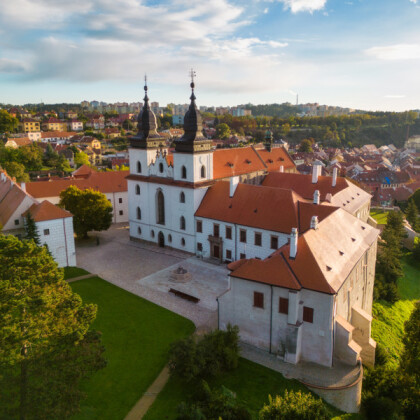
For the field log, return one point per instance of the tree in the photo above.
(305, 146)
(81, 158)
(410, 360)
(46, 346)
(31, 229)
(16, 170)
(222, 131)
(294, 406)
(91, 210)
(412, 215)
(416, 198)
(7, 122)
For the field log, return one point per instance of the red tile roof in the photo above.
(237, 161)
(46, 211)
(105, 182)
(277, 157)
(325, 256)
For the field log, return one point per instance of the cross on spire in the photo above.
(145, 88)
(192, 75)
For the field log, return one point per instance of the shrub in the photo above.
(381, 355)
(382, 408)
(294, 406)
(217, 352)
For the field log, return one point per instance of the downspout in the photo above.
(271, 316)
(236, 243)
(65, 243)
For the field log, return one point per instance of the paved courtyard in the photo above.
(144, 270)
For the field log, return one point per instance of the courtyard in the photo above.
(145, 269)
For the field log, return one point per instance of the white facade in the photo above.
(58, 235)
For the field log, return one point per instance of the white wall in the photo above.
(236, 307)
(60, 240)
(193, 163)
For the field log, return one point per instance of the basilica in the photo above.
(300, 248)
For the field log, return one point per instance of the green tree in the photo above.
(81, 158)
(31, 229)
(31, 157)
(91, 210)
(16, 170)
(222, 131)
(305, 146)
(416, 198)
(412, 215)
(410, 360)
(294, 406)
(7, 122)
(46, 347)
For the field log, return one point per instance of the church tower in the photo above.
(193, 157)
(147, 142)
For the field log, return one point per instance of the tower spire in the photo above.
(192, 84)
(146, 98)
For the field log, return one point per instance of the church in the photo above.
(299, 248)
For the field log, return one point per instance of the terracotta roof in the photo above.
(105, 182)
(325, 256)
(46, 211)
(83, 172)
(277, 157)
(21, 141)
(56, 134)
(252, 205)
(237, 161)
(302, 184)
(11, 196)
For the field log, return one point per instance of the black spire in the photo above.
(193, 139)
(147, 136)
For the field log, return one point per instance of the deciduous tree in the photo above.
(91, 209)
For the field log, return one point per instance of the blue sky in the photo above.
(358, 53)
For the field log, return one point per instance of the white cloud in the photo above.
(297, 6)
(414, 1)
(11, 66)
(265, 10)
(395, 52)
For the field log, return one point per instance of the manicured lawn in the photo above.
(70, 272)
(389, 319)
(380, 216)
(251, 382)
(136, 334)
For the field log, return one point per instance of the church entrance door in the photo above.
(216, 251)
(161, 240)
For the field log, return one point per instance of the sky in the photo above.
(362, 54)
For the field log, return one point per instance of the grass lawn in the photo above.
(251, 382)
(380, 216)
(136, 334)
(389, 319)
(70, 272)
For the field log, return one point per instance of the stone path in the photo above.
(85, 276)
(146, 401)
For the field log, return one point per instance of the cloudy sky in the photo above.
(357, 53)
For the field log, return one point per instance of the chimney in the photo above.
(316, 197)
(314, 222)
(334, 180)
(293, 243)
(281, 168)
(316, 171)
(23, 186)
(234, 181)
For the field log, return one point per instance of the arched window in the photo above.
(183, 242)
(183, 172)
(182, 223)
(138, 167)
(169, 238)
(139, 230)
(160, 208)
(182, 197)
(203, 171)
(139, 213)
(138, 189)
(161, 167)
(152, 233)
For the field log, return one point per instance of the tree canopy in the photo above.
(91, 210)
(7, 122)
(46, 347)
(222, 131)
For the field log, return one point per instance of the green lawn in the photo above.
(136, 334)
(70, 272)
(380, 216)
(251, 382)
(389, 319)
